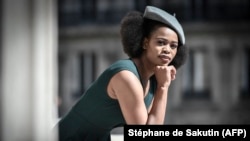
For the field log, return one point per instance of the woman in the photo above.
(133, 90)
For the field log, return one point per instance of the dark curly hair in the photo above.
(134, 28)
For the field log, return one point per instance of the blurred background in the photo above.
(51, 51)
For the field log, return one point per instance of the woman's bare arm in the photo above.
(127, 89)
(164, 76)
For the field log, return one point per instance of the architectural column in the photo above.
(235, 73)
(88, 69)
(1, 19)
(176, 89)
(29, 70)
(214, 73)
(67, 82)
(198, 72)
(102, 62)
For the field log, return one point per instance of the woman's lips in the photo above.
(165, 58)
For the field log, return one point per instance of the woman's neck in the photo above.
(145, 70)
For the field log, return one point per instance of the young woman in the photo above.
(133, 90)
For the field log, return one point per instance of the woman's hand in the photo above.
(164, 75)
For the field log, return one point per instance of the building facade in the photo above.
(41, 69)
(211, 88)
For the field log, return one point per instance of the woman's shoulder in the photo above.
(122, 64)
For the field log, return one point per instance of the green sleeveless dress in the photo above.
(95, 114)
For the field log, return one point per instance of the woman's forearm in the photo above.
(157, 113)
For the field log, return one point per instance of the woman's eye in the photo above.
(161, 43)
(173, 46)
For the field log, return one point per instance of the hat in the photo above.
(159, 15)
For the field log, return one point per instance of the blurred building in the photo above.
(211, 88)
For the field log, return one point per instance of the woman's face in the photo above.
(161, 46)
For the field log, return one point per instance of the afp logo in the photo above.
(234, 133)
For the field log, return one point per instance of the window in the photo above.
(196, 81)
(245, 77)
(87, 70)
(82, 12)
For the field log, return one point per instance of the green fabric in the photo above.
(96, 114)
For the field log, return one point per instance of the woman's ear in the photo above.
(145, 43)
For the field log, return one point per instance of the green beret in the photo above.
(159, 15)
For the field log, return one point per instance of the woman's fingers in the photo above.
(165, 74)
(173, 72)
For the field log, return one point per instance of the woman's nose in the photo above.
(166, 49)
